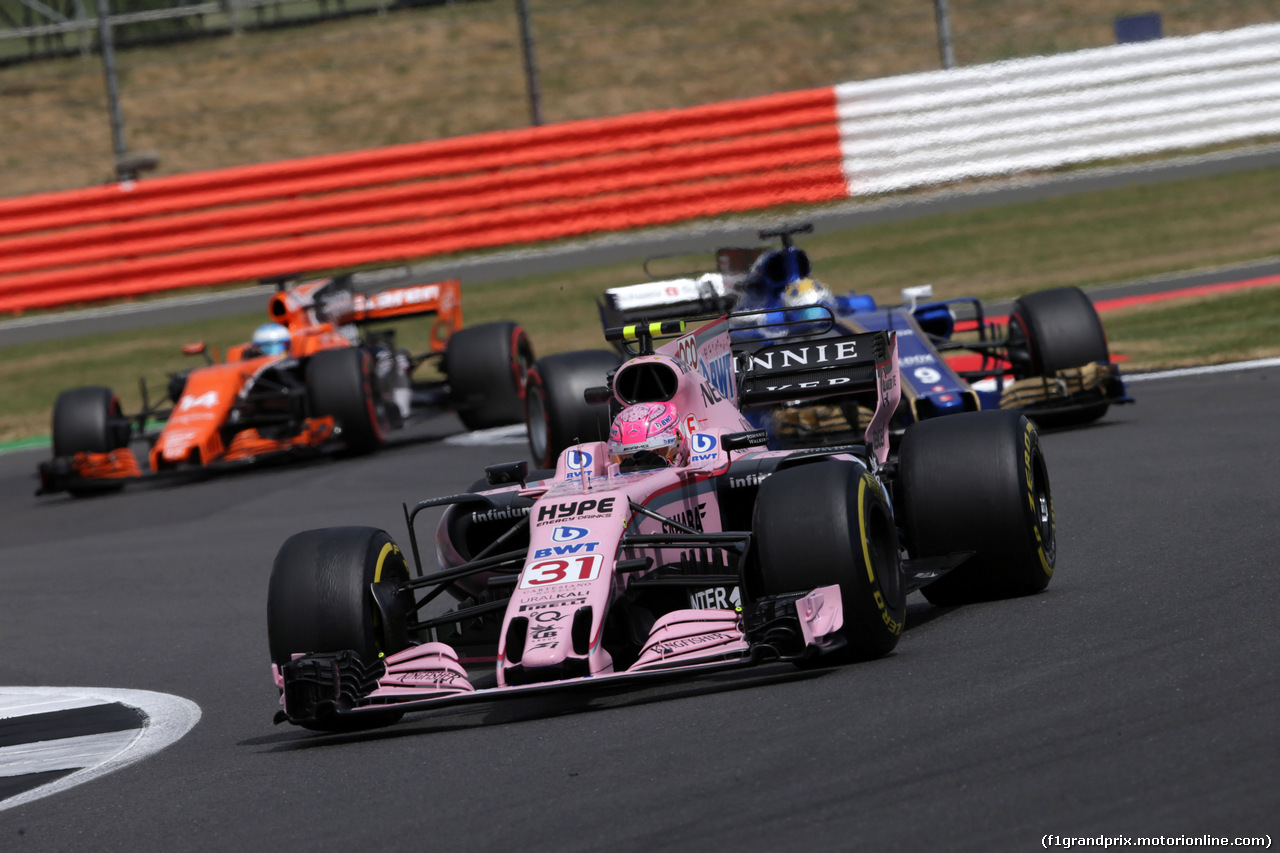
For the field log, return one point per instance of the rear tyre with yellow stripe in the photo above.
(829, 523)
(978, 482)
(320, 600)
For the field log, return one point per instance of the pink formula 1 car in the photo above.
(681, 545)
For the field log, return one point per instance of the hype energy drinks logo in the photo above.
(577, 461)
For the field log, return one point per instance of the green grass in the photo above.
(1001, 252)
(1211, 330)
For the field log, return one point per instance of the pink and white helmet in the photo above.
(652, 428)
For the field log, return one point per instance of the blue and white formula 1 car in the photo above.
(1049, 359)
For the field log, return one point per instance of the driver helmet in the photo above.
(806, 291)
(647, 435)
(271, 339)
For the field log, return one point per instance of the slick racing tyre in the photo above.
(555, 412)
(1052, 330)
(829, 523)
(88, 420)
(319, 600)
(340, 383)
(487, 366)
(978, 482)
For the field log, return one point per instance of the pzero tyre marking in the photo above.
(894, 625)
(29, 720)
(1040, 503)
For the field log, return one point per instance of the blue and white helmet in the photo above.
(271, 339)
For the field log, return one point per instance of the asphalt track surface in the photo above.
(1139, 695)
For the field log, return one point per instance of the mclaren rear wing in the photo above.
(367, 297)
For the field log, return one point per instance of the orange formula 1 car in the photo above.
(327, 380)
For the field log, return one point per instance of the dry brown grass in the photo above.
(428, 73)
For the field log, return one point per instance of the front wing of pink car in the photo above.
(685, 642)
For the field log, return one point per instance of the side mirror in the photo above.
(506, 472)
(743, 440)
(198, 348)
(597, 395)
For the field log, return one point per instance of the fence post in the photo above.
(82, 28)
(113, 90)
(944, 33)
(530, 62)
(232, 9)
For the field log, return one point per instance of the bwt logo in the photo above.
(568, 534)
(703, 443)
(719, 372)
(578, 460)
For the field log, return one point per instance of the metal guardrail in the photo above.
(1045, 112)
(561, 180)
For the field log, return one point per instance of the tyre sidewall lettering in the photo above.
(1028, 439)
(893, 626)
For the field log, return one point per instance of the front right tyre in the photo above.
(320, 599)
(1053, 330)
(89, 420)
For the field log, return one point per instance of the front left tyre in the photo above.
(1053, 330)
(829, 523)
(340, 383)
(89, 420)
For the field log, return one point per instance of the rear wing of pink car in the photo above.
(810, 364)
(810, 369)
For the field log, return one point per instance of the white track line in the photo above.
(1199, 371)
(167, 718)
(514, 434)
